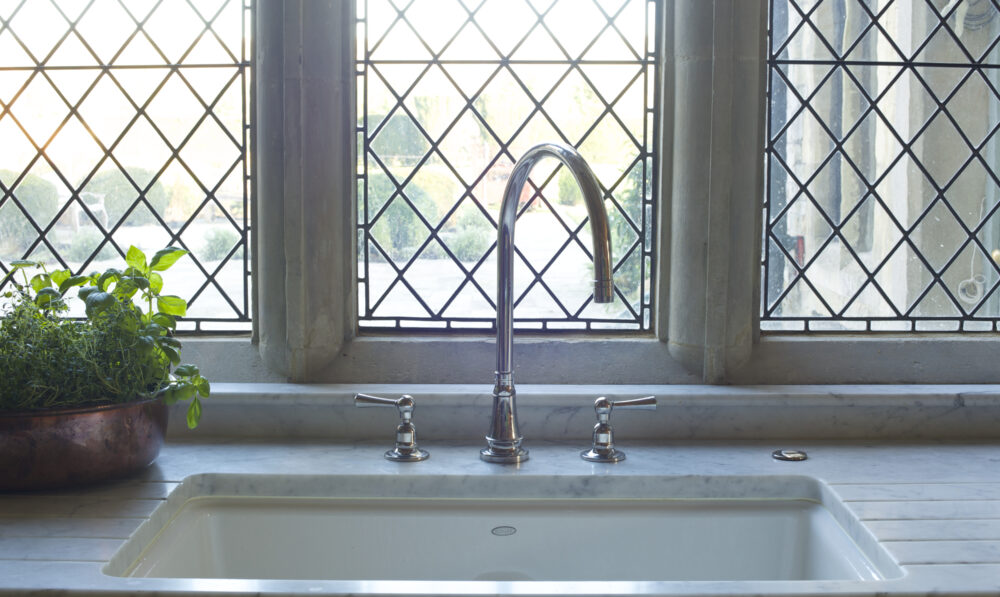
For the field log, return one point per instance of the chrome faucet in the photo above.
(504, 438)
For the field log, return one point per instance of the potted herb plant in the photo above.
(86, 400)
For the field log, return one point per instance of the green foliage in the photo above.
(124, 350)
(119, 194)
(434, 183)
(399, 229)
(569, 191)
(82, 244)
(473, 236)
(399, 139)
(38, 196)
(629, 276)
(218, 242)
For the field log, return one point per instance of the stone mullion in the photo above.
(717, 183)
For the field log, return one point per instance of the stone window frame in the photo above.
(706, 326)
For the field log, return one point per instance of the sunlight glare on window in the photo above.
(126, 123)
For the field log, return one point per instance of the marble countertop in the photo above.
(918, 465)
(934, 505)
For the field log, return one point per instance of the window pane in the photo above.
(883, 194)
(452, 94)
(125, 123)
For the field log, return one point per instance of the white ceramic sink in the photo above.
(567, 529)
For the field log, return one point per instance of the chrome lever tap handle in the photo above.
(603, 449)
(369, 400)
(406, 449)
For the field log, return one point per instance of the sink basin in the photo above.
(365, 529)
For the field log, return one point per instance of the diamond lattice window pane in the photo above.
(126, 123)
(884, 166)
(452, 94)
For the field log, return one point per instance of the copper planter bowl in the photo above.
(78, 446)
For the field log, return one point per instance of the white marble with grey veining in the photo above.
(927, 492)
(61, 541)
(455, 412)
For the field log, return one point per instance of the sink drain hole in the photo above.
(503, 531)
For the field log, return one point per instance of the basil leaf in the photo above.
(41, 281)
(172, 354)
(108, 277)
(170, 341)
(164, 258)
(164, 320)
(136, 258)
(194, 413)
(171, 305)
(186, 370)
(70, 282)
(126, 288)
(60, 275)
(98, 302)
(146, 344)
(45, 296)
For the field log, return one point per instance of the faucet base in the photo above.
(406, 455)
(611, 455)
(516, 455)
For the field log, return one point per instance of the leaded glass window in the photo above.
(126, 122)
(450, 94)
(883, 196)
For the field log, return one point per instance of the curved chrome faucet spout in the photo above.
(504, 438)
